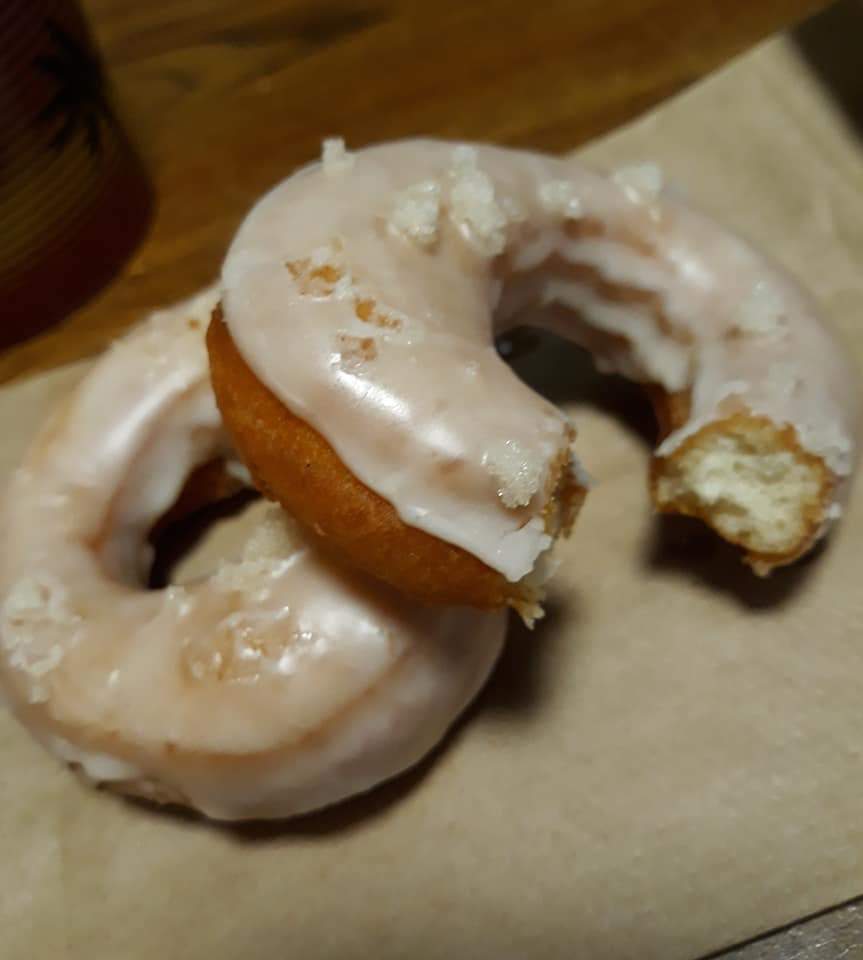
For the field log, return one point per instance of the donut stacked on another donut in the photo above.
(353, 361)
(351, 352)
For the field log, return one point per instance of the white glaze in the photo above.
(418, 420)
(276, 685)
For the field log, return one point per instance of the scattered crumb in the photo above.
(323, 273)
(473, 206)
(762, 312)
(247, 646)
(250, 578)
(37, 626)
(559, 198)
(355, 352)
(245, 640)
(335, 158)
(416, 213)
(519, 475)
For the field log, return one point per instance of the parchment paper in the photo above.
(671, 763)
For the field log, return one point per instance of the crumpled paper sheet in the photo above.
(670, 764)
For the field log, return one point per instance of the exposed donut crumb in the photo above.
(747, 482)
(335, 158)
(416, 213)
(473, 206)
(559, 198)
(517, 472)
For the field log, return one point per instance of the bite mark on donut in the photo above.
(752, 482)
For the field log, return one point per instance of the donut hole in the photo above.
(191, 546)
(566, 374)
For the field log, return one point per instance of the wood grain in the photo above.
(225, 98)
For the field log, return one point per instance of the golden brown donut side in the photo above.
(294, 465)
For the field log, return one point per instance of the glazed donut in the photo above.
(279, 684)
(353, 360)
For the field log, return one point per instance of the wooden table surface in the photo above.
(226, 97)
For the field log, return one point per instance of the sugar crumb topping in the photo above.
(335, 158)
(641, 182)
(473, 205)
(762, 311)
(560, 199)
(518, 473)
(37, 626)
(248, 645)
(416, 213)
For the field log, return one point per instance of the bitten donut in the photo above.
(353, 360)
(279, 684)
